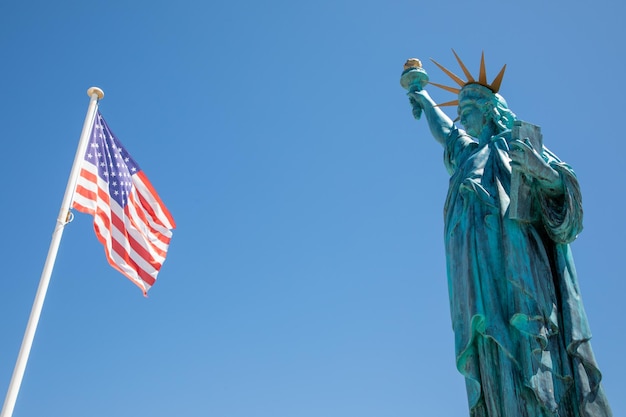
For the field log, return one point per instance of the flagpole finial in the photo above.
(97, 91)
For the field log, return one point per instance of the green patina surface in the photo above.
(521, 333)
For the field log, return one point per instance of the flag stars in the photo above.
(114, 165)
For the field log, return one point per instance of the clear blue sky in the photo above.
(306, 277)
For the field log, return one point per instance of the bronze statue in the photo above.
(521, 333)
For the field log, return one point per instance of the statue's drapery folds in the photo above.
(522, 338)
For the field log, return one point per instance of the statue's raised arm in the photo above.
(522, 340)
(414, 79)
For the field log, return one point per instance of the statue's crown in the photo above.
(494, 87)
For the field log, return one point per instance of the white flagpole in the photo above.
(20, 366)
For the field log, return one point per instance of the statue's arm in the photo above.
(556, 188)
(439, 123)
(533, 165)
(563, 214)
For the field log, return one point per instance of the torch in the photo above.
(414, 78)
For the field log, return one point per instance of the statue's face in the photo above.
(472, 118)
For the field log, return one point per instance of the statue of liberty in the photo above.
(522, 340)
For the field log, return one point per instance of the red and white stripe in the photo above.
(136, 237)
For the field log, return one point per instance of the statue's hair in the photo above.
(496, 109)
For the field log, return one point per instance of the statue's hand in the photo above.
(525, 158)
(417, 98)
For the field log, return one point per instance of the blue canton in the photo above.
(114, 163)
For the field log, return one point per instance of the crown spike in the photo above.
(497, 82)
(448, 103)
(470, 79)
(482, 77)
(456, 79)
(445, 87)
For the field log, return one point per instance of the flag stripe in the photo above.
(120, 259)
(161, 233)
(110, 225)
(150, 199)
(132, 244)
(130, 220)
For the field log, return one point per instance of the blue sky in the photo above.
(306, 276)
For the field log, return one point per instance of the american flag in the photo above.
(130, 219)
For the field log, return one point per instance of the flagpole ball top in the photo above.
(97, 91)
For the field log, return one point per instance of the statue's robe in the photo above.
(521, 332)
